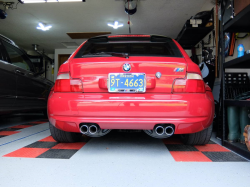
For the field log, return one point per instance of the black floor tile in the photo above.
(42, 145)
(10, 129)
(58, 153)
(180, 147)
(224, 157)
(33, 124)
(211, 142)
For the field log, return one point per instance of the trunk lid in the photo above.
(94, 71)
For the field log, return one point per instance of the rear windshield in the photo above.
(98, 49)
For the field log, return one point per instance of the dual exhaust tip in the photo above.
(168, 130)
(159, 130)
(92, 129)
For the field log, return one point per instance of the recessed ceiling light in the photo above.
(116, 25)
(43, 27)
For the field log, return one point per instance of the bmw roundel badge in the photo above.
(158, 75)
(126, 67)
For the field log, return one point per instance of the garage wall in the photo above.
(49, 67)
(59, 52)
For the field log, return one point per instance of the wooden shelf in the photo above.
(241, 62)
(239, 103)
(240, 23)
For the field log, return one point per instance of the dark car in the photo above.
(22, 88)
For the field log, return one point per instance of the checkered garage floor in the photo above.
(28, 147)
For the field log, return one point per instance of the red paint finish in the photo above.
(92, 71)
(189, 156)
(189, 112)
(27, 152)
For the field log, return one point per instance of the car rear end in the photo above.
(143, 82)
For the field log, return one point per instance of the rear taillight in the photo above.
(66, 84)
(193, 83)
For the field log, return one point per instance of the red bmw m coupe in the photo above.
(140, 82)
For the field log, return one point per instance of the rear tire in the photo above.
(198, 138)
(63, 136)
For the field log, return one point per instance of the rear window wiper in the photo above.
(125, 55)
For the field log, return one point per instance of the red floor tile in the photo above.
(47, 139)
(172, 141)
(27, 152)
(77, 145)
(211, 148)
(189, 156)
(7, 133)
(22, 126)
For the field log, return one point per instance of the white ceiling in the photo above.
(163, 17)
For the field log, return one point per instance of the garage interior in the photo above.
(49, 32)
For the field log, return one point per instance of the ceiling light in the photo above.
(116, 25)
(48, 1)
(43, 27)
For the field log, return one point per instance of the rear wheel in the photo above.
(63, 136)
(198, 138)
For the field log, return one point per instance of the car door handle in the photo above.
(20, 72)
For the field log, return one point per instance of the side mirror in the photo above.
(39, 72)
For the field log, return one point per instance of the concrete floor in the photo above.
(117, 159)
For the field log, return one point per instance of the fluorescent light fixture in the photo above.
(116, 25)
(48, 1)
(43, 27)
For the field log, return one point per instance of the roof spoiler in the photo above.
(129, 37)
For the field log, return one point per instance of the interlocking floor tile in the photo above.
(76, 146)
(21, 126)
(27, 152)
(8, 133)
(211, 142)
(58, 153)
(10, 129)
(211, 148)
(42, 145)
(47, 139)
(224, 157)
(180, 147)
(189, 156)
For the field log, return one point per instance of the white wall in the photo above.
(59, 52)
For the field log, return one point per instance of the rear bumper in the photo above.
(188, 112)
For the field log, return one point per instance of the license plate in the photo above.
(127, 82)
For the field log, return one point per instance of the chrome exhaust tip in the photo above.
(93, 129)
(169, 130)
(84, 129)
(159, 130)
